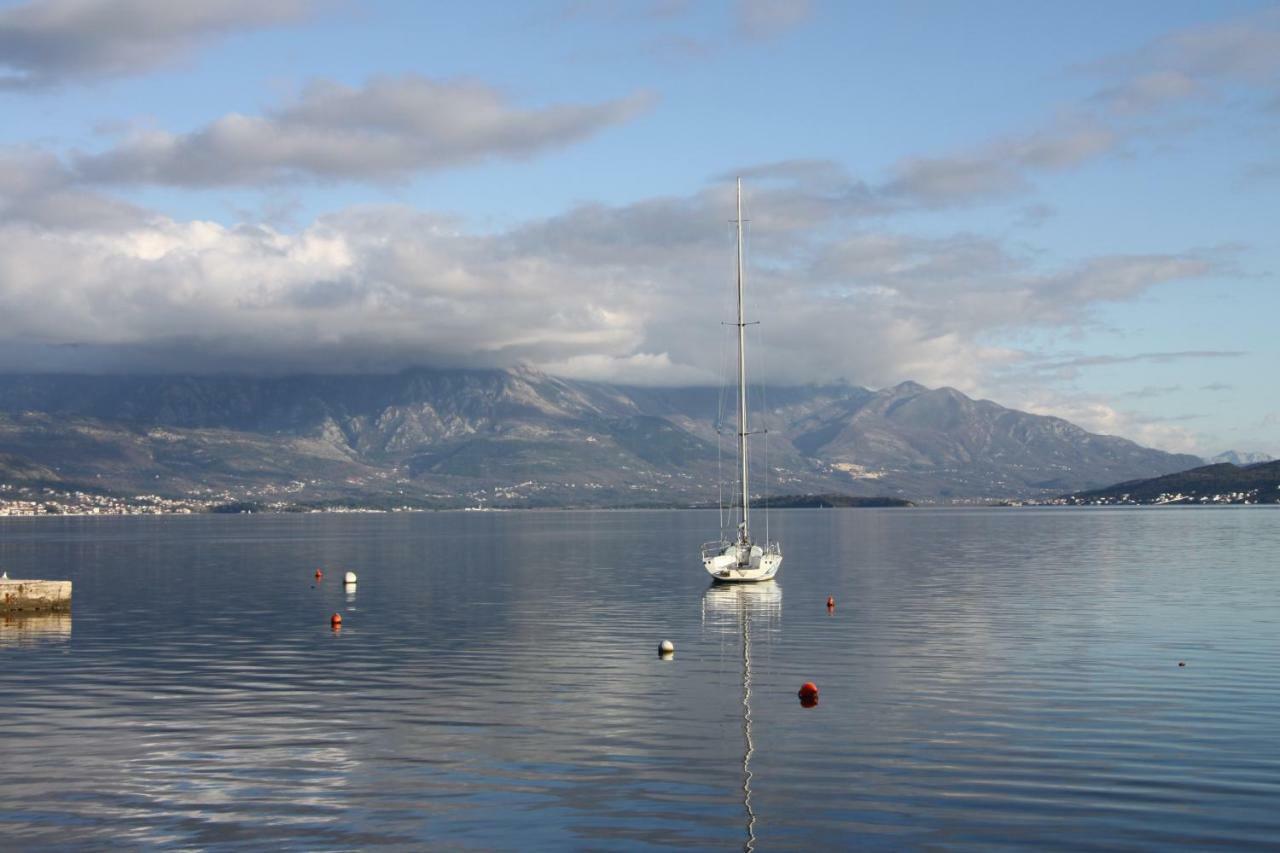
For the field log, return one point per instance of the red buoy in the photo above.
(808, 691)
(319, 574)
(336, 620)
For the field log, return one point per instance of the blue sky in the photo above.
(1069, 210)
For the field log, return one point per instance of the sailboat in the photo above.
(738, 558)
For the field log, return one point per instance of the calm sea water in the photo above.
(988, 678)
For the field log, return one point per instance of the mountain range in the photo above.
(522, 438)
(1220, 483)
(1238, 457)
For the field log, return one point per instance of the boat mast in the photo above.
(742, 385)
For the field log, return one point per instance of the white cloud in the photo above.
(388, 129)
(1148, 91)
(1246, 47)
(1079, 361)
(45, 42)
(381, 287)
(642, 368)
(1195, 62)
(634, 293)
(764, 18)
(36, 189)
(1098, 414)
(999, 167)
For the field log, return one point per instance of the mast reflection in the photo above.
(730, 607)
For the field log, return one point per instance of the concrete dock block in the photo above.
(31, 596)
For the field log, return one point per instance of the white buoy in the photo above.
(349, 577)
(666, 647)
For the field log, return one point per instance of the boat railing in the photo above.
(714, 548)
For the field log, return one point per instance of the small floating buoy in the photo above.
(666, 647)
(1182, 663)
(349, 577)
(336, 620)
(319, 574)
(831, 602)
(808, 690)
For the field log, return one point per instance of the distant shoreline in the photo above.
(602, 509)
(32, 503)
(455, 509)
(179, 507)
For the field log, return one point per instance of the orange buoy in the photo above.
(336, 620)
(831, 602)
(319, 574)
(808, 691)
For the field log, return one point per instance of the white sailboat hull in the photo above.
(733, 563)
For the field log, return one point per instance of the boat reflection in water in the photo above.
(731, 609)
(29, 629)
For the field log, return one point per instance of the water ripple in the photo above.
(989, 678)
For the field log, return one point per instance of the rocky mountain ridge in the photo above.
(520, 437)
(1238, 457)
